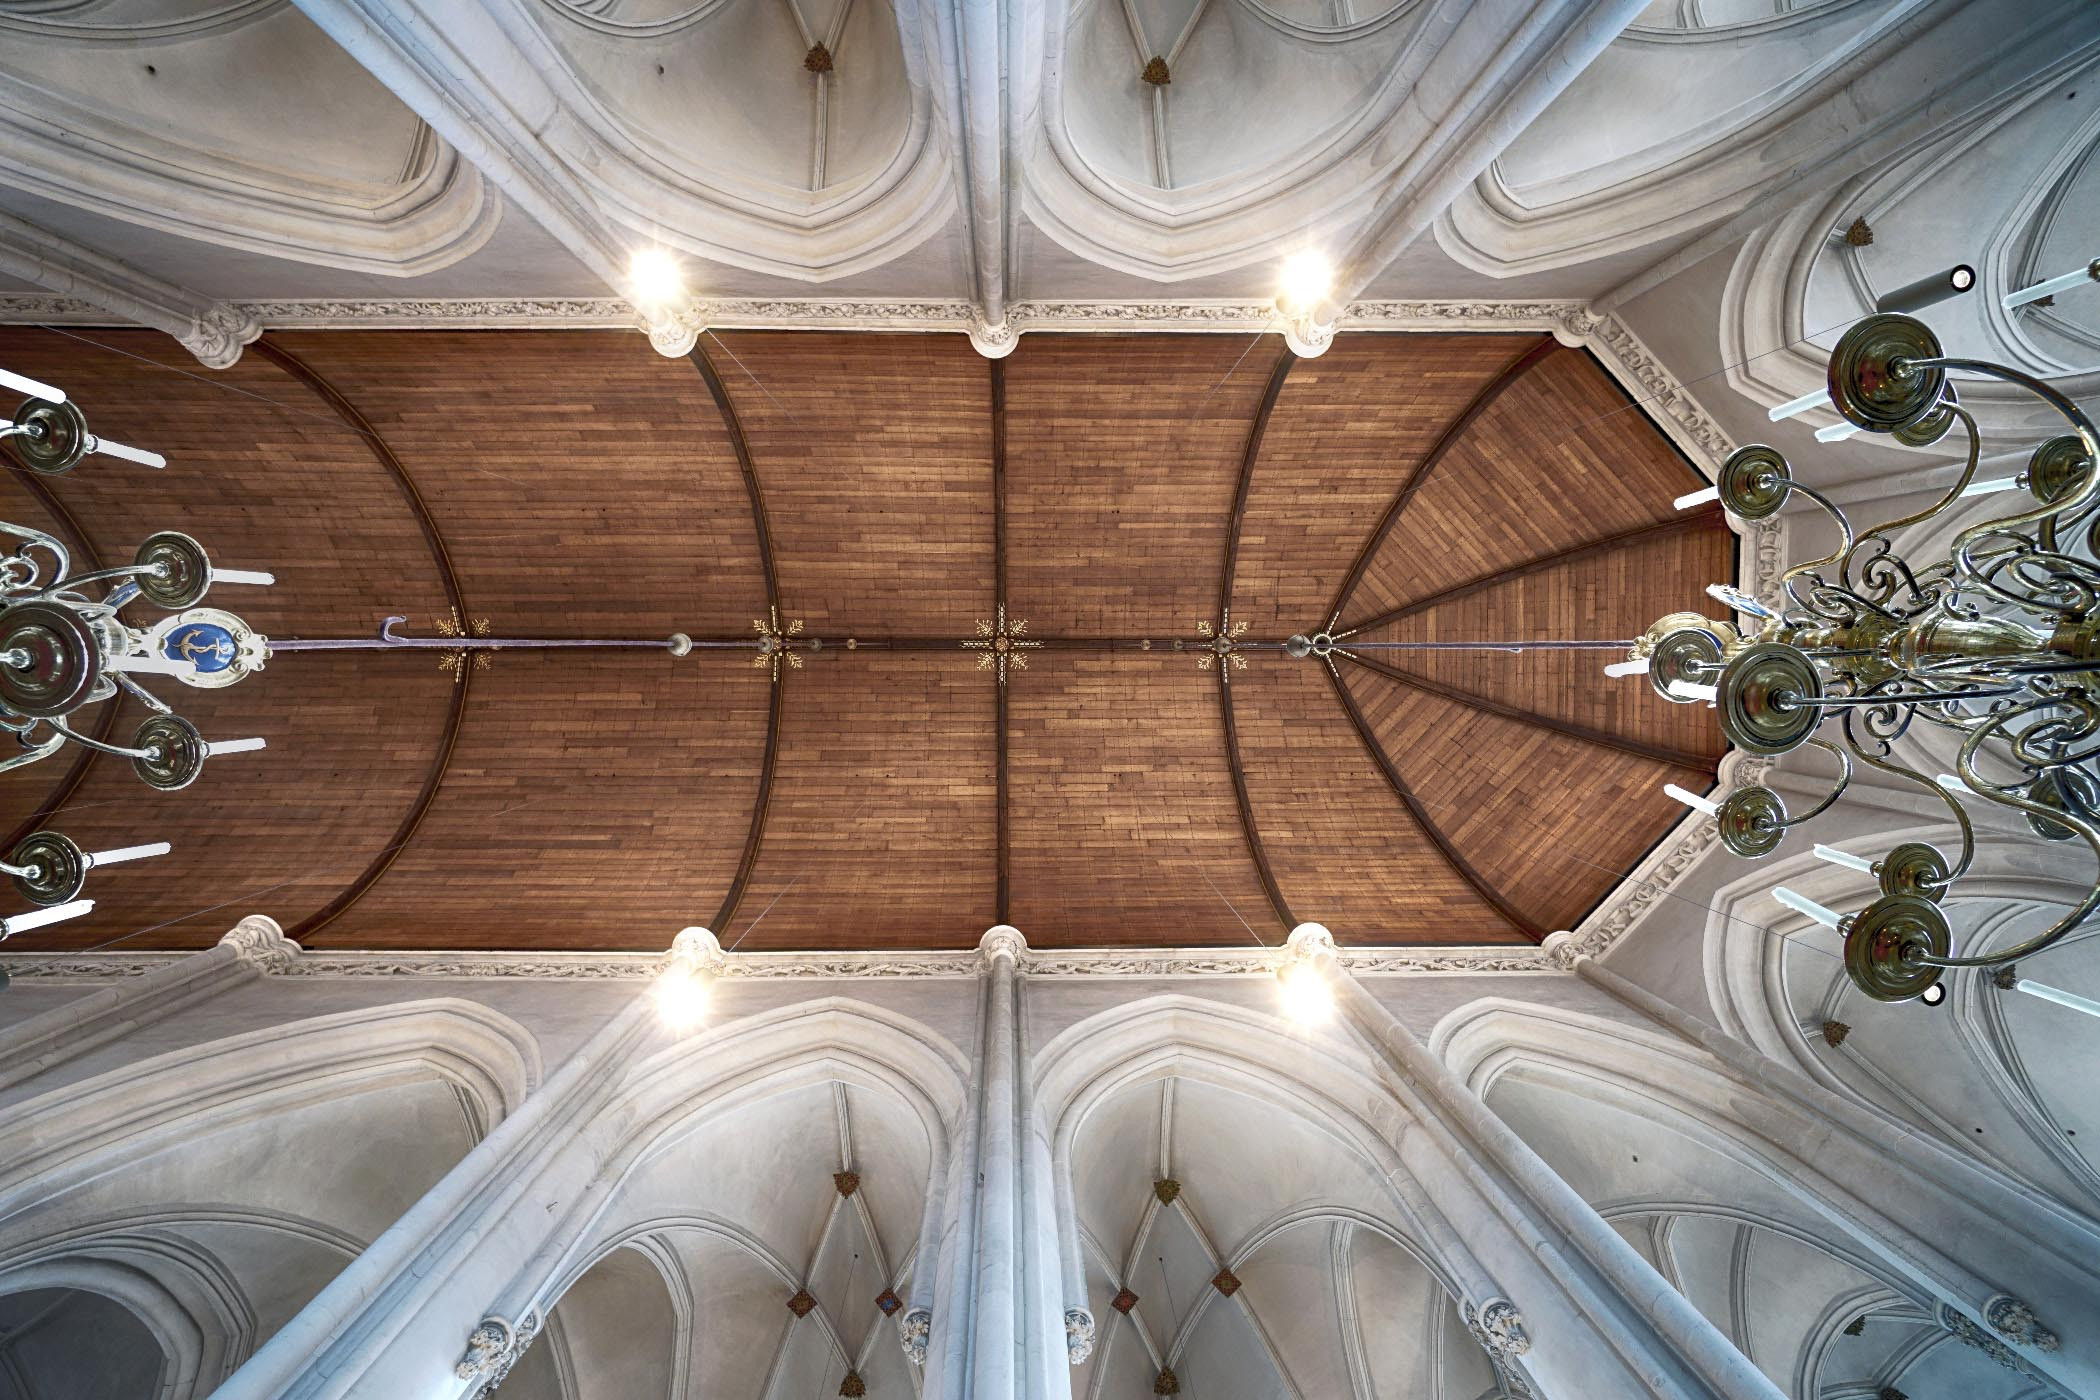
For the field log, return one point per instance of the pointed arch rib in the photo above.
(762, 801)
(1422, 819)
(1277, 903)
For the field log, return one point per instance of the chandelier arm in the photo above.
(1952, 495)
(96, 744)
(43, 750)
(126, 571)
(1965, 766)
(144, 696)
(1895, 769)
(1844, 781)
(2088, 436)
(1845, 545)
(37, 539)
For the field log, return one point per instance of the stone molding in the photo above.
(640, 967)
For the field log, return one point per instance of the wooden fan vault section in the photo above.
(1120, 495)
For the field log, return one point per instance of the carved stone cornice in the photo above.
(641, 967)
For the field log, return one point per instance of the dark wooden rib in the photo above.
(1429, 828)
(762, 801)
(1481, 402)
(1277, 903)
(1004, 832)
(291, 364)
(1654, 753)
(1690, 520)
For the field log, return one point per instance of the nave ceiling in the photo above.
(1118, 495)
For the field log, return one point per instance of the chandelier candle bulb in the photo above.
(1794, 407)
(38, 918)
(234, 746)
(1697, 498)
(1844, 858)
(1693, 800)
(23, 384)
(1636, 667)
(2089, 273)
(1692, 690)
(129, 454)
(2055, 994)
(1991, 487)
(259, 577)
(1838, 432)
(124, 853)
(1930, 291)
(1802, 904)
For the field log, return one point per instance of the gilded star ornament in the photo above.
(454, 663)
(1000, 644)
(1220, 644)
(773, 641)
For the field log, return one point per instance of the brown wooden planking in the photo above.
(1345, 434)
(881, 828)
(594, 800)
(1121, 829)
(1343, 848)
(1600, 596)
(1548, 466)
(1121, 466)
(1551, 822)
(282, 831)
(875, 451)
(893, 511)
(585, 484)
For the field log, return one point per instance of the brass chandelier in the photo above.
(1995, 639)
(62, 649)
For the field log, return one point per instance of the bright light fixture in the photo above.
(1307, 999)
(1304, 282)
(654, 278)
(681, 997)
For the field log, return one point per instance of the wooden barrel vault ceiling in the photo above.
(1117, 494)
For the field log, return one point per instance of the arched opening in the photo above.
(73, 1344)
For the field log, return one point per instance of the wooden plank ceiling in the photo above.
(889, 493)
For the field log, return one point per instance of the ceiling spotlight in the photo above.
(1307, 999)
(682, 997)
(1304, 283)
(654, 278)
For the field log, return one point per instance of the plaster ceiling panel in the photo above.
(620, 1327)
(890, 1153)
(879, 827)
(576, 440)
(1121, 1364)
(233, 121)
(1343, 846)
(1173, 1273)
(768, 1167)
(1346, 432)
(846, 1276)
(1409, 1328)
(1121, 831)
(87, 1343)
(874, 456)
(740, 1316)
(1288, 1306)
(1250, 88)
(721, 91)
(1225, 1356)
(1239, 1180)
(1115, 1160)
(1123, 455)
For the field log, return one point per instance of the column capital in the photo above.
(697, 948)
(1002, 941)
(261, 944)
(1562, 949)
(913, 1330)
(1079, 1335)
(1310, 941)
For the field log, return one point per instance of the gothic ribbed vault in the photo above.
(1117, 493)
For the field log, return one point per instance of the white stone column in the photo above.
(1991, 1247)
(1587, 1313)
(250, 949)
